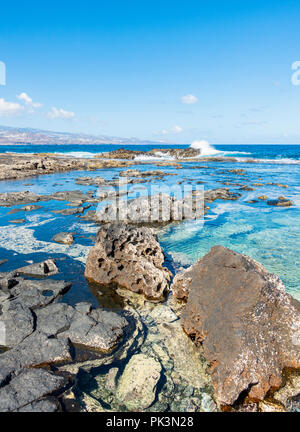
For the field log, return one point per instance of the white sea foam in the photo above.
(23, 241)
(209, 150)
(158, 157)
(79, 154)
(284, 161)
(205, 147)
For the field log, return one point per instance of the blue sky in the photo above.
(160, 70)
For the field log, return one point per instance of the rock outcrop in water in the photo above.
(177, 153)
(16, 166)
(245, 322)
(130, 257)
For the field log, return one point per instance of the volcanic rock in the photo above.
(245, 322)
(130, 257)
(27, 388)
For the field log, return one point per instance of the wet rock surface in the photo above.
(246, 324)
(96, 346)
(64, 238)
(174, 379)
(280, 202)
(138, 383)
(38, 333)
(23, 393)
(130, 257)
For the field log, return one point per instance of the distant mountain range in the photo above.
(13, 136)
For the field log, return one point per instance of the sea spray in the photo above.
(205, 147)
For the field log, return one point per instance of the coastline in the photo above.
(152, 334)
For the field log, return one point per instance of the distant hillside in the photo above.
(10, 136)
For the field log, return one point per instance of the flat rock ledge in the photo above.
(130, 257)
(17, 166)
(248, 327)
(38, 332)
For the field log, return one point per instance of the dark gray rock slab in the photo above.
(45, 268)
(36, 350)
(18, 323)
(49, 404)
(27, 388)
(38, 293)
(99, 330)
(54, 319)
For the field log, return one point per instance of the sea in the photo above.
(268, 234)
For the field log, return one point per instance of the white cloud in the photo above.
(173, 130)
(9, 108)
(59, 113)
(28, 101)
(189, 99)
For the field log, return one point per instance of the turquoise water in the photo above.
(268, 234)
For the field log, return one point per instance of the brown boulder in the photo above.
(130, 257)
(247, 325)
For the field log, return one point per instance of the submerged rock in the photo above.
(280, 202)
(130, 257)
(245, 322)
(138, 383)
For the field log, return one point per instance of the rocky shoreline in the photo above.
(18, 166)
(242, 341)
(221, 335)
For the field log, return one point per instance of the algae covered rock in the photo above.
(138, 383)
